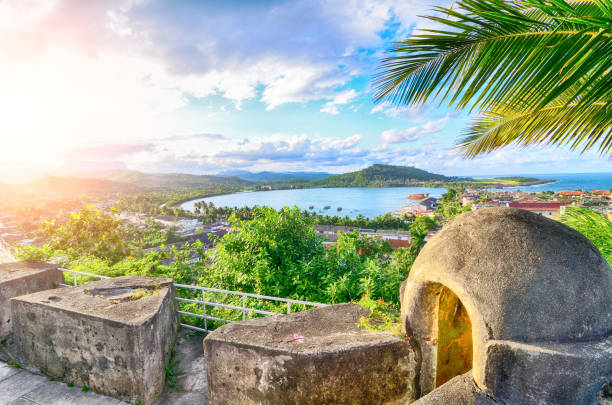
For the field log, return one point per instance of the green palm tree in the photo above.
(537, 72)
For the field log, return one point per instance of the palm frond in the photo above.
(508, 58)
(561, 125)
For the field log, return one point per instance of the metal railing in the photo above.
(244, 308)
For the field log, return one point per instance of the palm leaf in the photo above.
(511, 59)
(563, 125)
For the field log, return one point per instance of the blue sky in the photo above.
(208, 86)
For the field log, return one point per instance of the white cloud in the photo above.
(412, 134)
(305, 50)
(433, 127)
(380, 107)
(341, 98)
(397, 136)
(393, 111)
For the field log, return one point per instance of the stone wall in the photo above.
(319, 356)
(114, 335)
(19, 278)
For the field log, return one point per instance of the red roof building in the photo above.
(571, 193)
(398, 243)
(547, 209)
(531, 206)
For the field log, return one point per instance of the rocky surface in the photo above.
(19, 278)
(461, 390)
(523, 279)
(113, 335)
(311, 357)
(548, 373)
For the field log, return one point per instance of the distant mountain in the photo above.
(168, 180)
(77, 186)
(273, 176)
(380, 176)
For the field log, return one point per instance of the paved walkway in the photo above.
(20, 387)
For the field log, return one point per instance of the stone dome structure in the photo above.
(500, 284)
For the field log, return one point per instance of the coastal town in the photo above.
(549, 204)
(188, 228)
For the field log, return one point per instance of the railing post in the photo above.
(74, 278)
(243, 309)
(288, 307)
(204, 303)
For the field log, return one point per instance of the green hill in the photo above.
(169, 180)
(380, 176)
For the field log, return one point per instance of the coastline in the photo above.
(436, 185)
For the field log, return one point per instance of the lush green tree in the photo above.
(276, 253)
(88, 232)
(450, 206)
(593, 225)
(538, 71)
(279, 253)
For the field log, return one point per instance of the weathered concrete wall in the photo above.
(548, 373)
(114, 336)
(253, 362)
(521, 278)
(20, 278)
(460, 390)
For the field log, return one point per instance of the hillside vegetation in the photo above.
(380, 176)
(170, 180)
(273, 176)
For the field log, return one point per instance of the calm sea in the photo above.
(370, 202)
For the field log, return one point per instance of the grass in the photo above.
(172, 370)
(70, 384)
(383, 317)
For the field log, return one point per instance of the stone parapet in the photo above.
(20, 278)
(318, 356)
(114, 336)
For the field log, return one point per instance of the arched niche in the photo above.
(454, 337)
(442, 331)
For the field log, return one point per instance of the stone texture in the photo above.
(113, 335)
(548, 373)
(192, 384)
(252, 362)
(20, 278)
(525, 280)
(20, 387)
(461, 390)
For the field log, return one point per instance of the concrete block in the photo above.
(548, 373)
(460, 390)
(113, 335)
(22, 278)
(259, 361)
